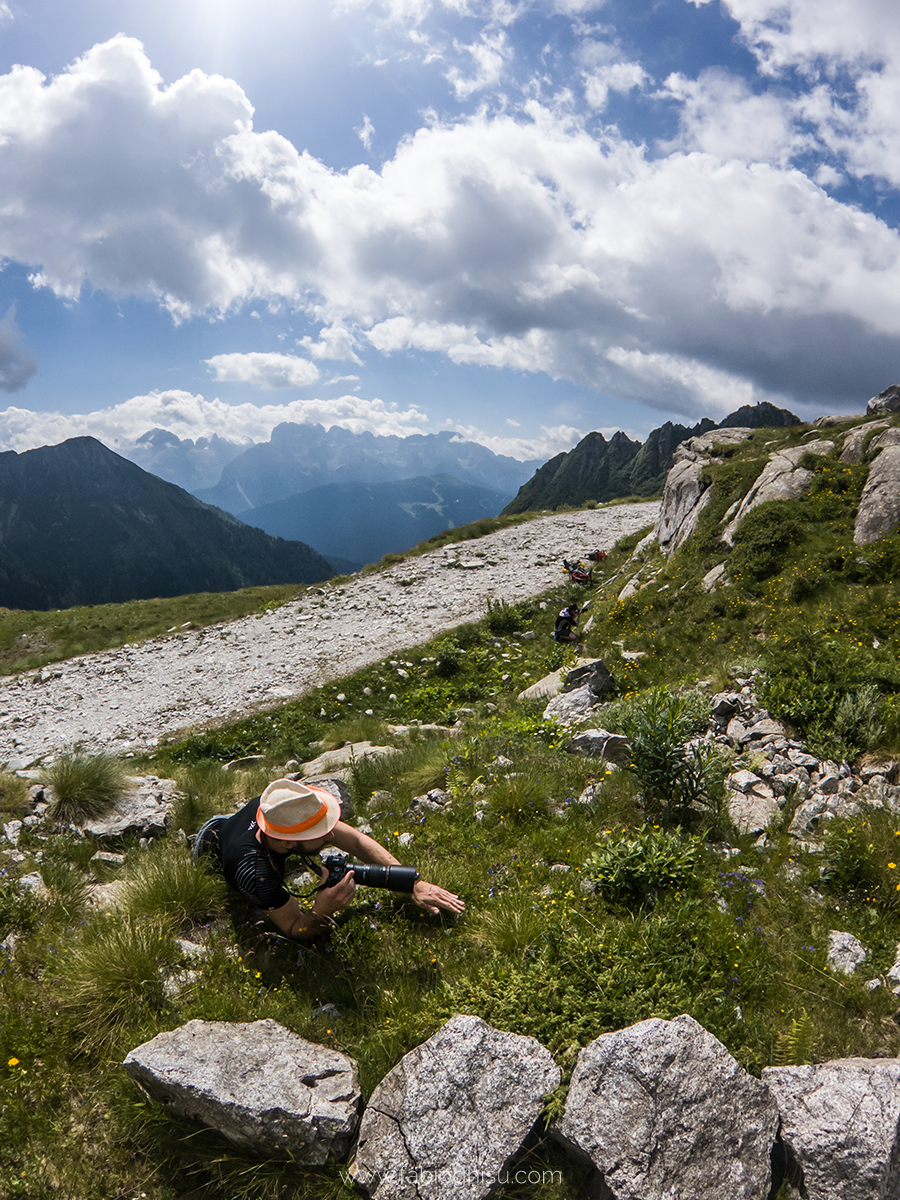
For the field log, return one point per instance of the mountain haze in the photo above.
(81, 525)
(363, 521)
(298, 458)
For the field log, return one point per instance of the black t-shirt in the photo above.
(246, 864)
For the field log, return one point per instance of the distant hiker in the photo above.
(566, 623)
(252, 847)
(596, 556)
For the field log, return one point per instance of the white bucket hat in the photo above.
(295, 812)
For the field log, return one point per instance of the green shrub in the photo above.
(114, 979)
(166, 885)
(634, 867)
(13, 793)
(85, 785)
(762, 540)
(862, 859)
(67, 885)
(503, 618)
(519, 797)
(673, 779)
(205, 788)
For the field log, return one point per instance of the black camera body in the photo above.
(395, 878)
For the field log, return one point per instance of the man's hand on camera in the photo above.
(433, 898)
(332, 899)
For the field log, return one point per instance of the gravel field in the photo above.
(126, 700)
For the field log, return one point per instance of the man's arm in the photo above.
(366, 849)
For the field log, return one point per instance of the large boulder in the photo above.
(878, 514)
(686, 493)
(664, 1112)
(142, 811)
(571, 708)
(447, 1119)
(336, 764)
(257, 1084)
(839, 1123)
(855, 439)
(780, 479)
(887, 401)
(595, 674)
(600, 743)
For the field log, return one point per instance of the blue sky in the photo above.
(518, 220)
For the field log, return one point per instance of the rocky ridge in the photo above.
(125, 700)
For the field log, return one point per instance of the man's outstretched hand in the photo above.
(433, 898)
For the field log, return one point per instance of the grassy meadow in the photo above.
(596, 897)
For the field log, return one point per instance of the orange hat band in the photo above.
(266, 824)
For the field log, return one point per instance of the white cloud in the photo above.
(516, 239)
(264, 370)
(17, 365)
(366, 133)
(620, 77)
(191, 416)
(721, 116)
(5, 11)
(553, 440)
(489, 56)
(336, 342)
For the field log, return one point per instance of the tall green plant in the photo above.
(85, 785)
(673, 778)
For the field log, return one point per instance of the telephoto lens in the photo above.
(398, 879)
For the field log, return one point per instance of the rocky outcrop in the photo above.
(259, 1085)
(887, 401)
(664, 1112)
(447, 1119)
(878, 514)
(143, 811)
(839, 1123)
(780, 479)
(686, 493)
(854, 447)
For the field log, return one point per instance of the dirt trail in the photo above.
(125, 700)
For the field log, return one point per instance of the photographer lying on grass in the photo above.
(253, 846)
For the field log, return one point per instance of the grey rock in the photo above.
(893, 975)
(845, 952)
(143, 811)
(724, 705)
(447, 1119)
(595, 674)
(257, 1084)
(839, 1122)
(664, 1112)
(878, 514)
(246, 763)
(684, 498)
(887, 401)
(11, 831)
(765, 727)
(780, 479)
(338, 789)
(336, 764)
(713, 578)
(736, 730)
(752, 811)
(33, 883)
(600, 743)
(854, 441)
(571, 708)
(631, 588)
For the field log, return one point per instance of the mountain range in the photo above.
(79, 524)
(597, 469)
(362, 521)
(298, 458)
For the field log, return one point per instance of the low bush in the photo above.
(114, 979)
(167, 886)
(85, 785)
(633, 867)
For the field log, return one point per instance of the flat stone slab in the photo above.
(257, 1084)
(664, 1112)
(839, 1121)
(447, 1119)
(337, 763)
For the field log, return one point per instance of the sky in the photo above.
(519, 220)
